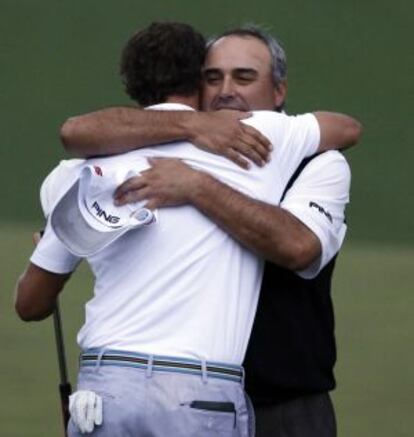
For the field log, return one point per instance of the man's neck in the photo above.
(192, 101)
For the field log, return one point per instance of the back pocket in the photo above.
(213, 415)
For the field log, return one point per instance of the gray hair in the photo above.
(277, 53)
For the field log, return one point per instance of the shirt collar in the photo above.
(170, 107)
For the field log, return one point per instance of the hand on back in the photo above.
(223, 133)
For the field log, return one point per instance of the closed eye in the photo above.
(245, 75)
(212, 76)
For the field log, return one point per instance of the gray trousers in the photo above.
(139, 403)
(306, 416)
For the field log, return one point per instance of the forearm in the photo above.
(338, 131)
(36, 293)
(270, 231)
(121, 129)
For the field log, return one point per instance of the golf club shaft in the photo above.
(60, 345)
(65, 388)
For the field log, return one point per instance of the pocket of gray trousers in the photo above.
(211, 415)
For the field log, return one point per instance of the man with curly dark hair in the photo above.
(167, 329)
(161, 62)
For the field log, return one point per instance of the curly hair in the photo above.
(162, 60)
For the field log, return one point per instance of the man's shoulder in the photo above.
(328, 158)
(280, 116)
(330, 166)
(279, 120)
(270, 116)
(284, 131)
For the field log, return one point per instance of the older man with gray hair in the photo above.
(291, 353)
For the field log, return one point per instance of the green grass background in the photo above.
(60, 58)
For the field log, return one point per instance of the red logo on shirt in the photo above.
(98, 170)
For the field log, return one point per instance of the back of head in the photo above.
(162, 60)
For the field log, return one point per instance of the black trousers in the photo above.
(307, 416)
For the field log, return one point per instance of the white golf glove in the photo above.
(86, 410)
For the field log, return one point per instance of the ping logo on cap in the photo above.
(100, 212)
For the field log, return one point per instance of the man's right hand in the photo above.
(223, 133)
(168, 182)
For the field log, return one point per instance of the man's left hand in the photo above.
(169, 182)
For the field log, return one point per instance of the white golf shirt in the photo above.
(183, 287)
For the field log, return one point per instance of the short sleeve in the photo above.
(294, 137)
(51, 255)
(305, 130)
(318, 198)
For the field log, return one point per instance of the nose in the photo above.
(227, 87)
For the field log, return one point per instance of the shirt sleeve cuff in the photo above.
(53, 265)
(330, 240)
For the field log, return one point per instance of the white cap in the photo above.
(57, 183)
(85, 218)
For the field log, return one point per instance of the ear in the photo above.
(279, 94)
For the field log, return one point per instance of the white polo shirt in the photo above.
(183, 287)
